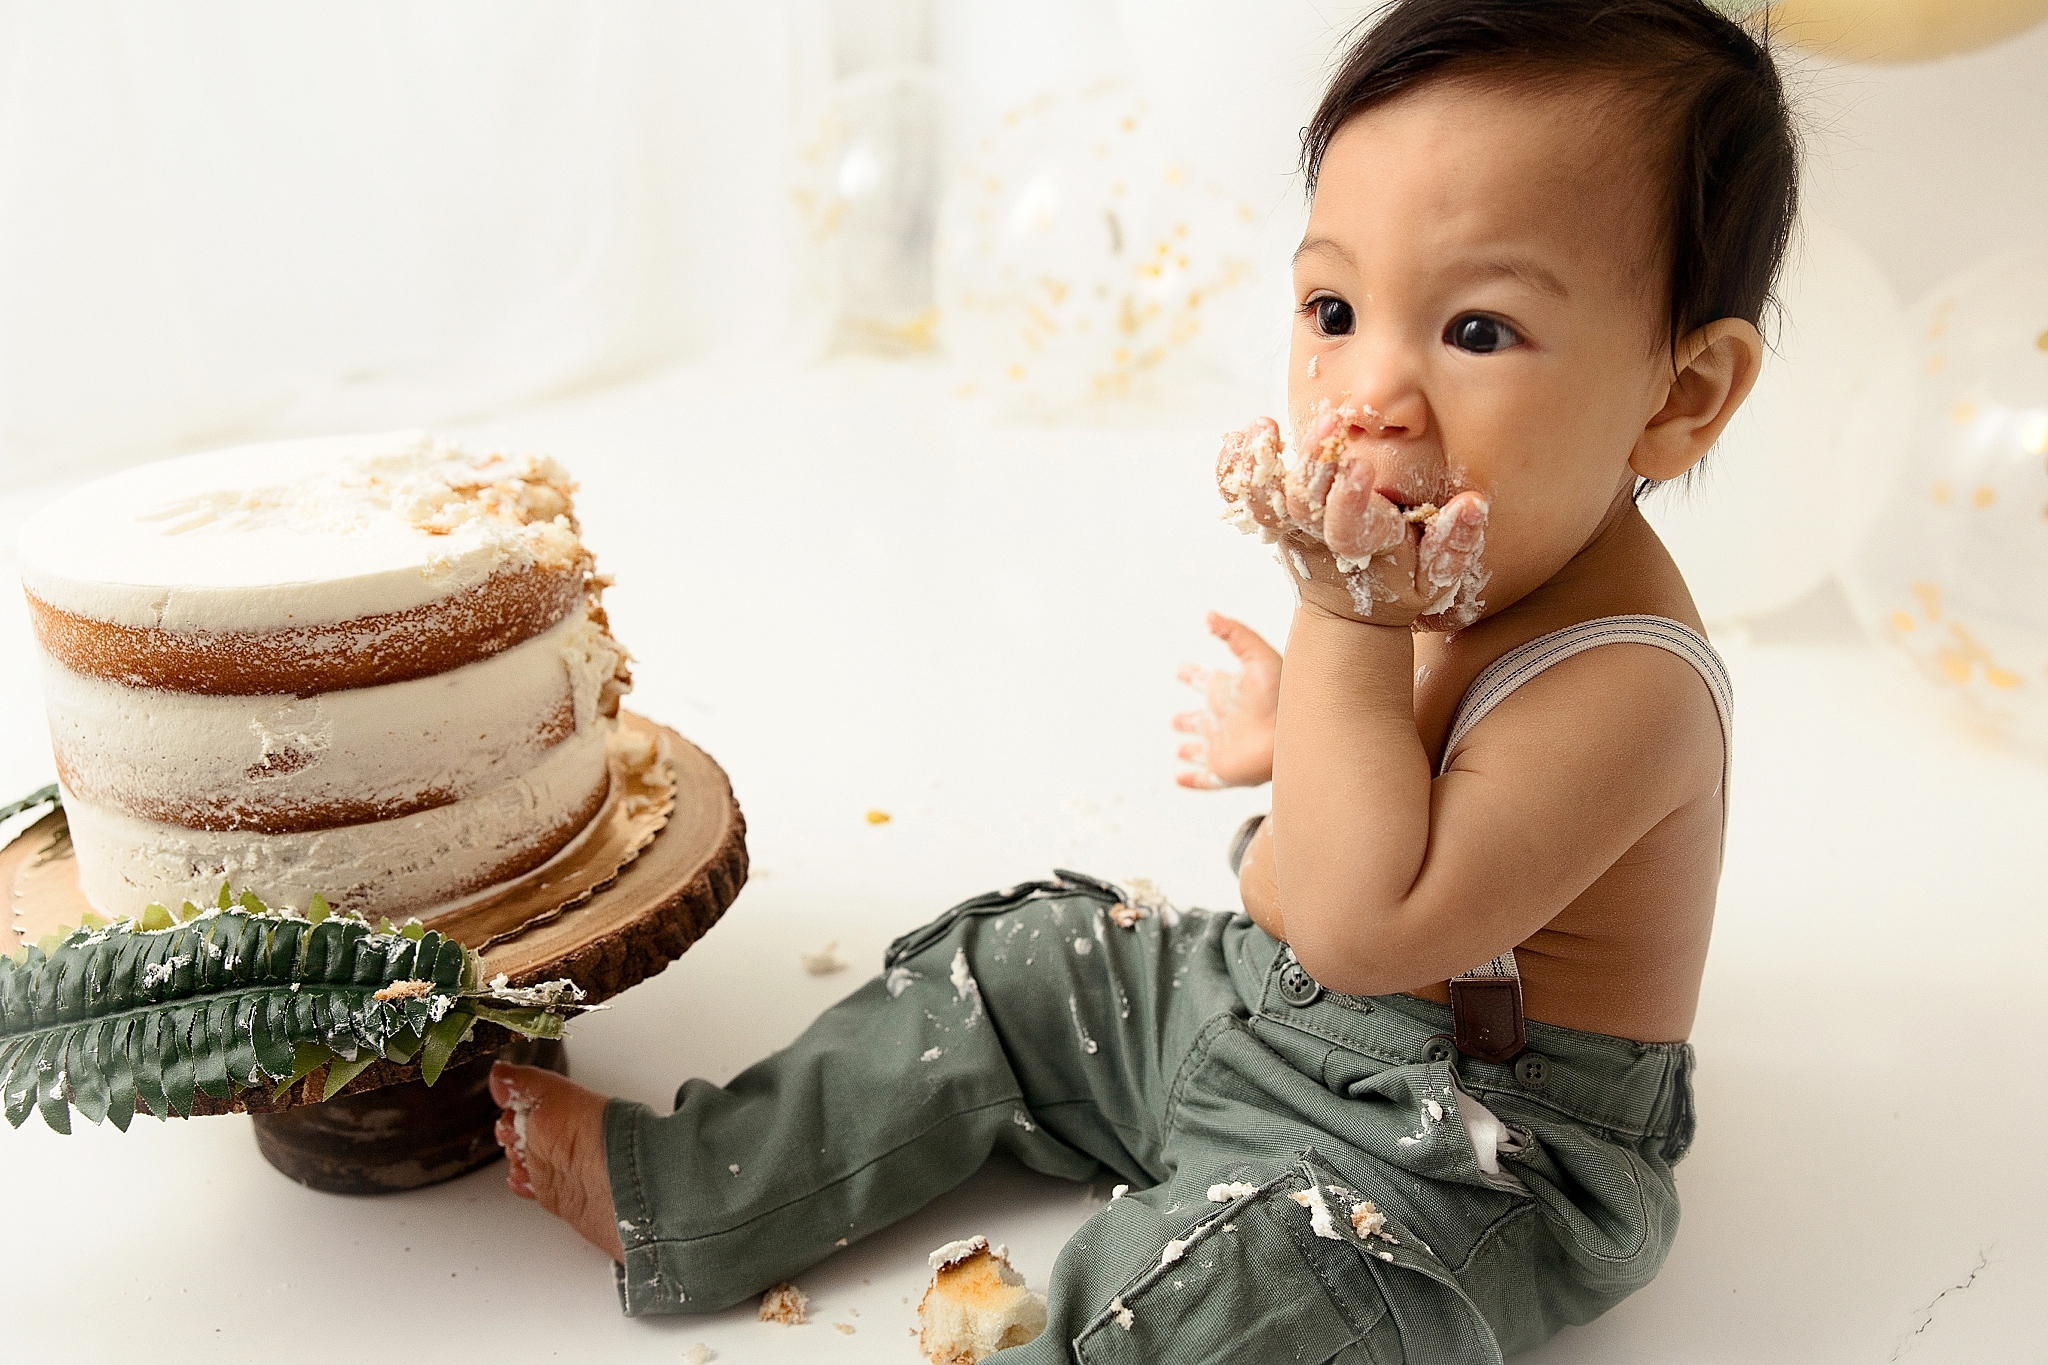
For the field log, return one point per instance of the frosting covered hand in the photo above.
(1351, 549)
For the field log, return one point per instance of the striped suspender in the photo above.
(1486, 1002)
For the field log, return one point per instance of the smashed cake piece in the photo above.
(976, 1305)
(786, 1304)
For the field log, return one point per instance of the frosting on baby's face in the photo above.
(1480, 293)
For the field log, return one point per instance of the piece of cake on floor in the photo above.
(784, 1303)
(976, 1305)
(376, 668)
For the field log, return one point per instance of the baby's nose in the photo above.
(1386, 419)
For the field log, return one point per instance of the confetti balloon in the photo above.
(1951, 566)
(867, 189)
(1078, 258)
(1742, 528)
(1902, 30)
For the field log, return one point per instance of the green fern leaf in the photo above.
(340, 1073)
(443, 1038)
(147, 1014)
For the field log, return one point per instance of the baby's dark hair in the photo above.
(1733, 153)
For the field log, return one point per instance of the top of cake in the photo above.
(292, 534)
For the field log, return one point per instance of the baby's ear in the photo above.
(1717, 368)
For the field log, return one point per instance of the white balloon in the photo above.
(1950, 565)
(1077, 257)
(1753, 528)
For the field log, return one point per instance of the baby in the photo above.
(1424, 1102)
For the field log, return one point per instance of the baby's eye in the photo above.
(1480, 334)
(1333, 316)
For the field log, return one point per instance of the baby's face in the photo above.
(1480, 283)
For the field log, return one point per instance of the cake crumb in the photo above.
(700, 1354)
(404, 990)
(977, 1304)
(1236, 1189)
(1319, 1220)
(844, 1328)
(825, 961)
(786, 1304)
(1367, 1220)
(1124, 1317)
(734, 1168)
(1126, 916)
(1118, 1192)
(840, 1243)
(879, 817)
(931, 1054)
(1175, 1249)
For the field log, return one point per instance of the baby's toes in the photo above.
(553, 1134)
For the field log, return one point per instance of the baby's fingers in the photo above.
(1200, 781)
(1249, 476)
(1357, 522)
(1240, 639)
(1308, 483)
(1451, 549)
(1191, 722)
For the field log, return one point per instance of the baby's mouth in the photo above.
(1415, 508)
(1412, 507)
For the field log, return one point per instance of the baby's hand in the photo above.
(1235, 748)
(1350, 550)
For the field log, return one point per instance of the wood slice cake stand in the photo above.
(657, 867)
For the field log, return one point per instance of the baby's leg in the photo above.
(552, 1130)
(1027, 1022)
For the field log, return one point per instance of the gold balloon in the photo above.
(1901, 30)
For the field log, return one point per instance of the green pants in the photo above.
(1187, 1052)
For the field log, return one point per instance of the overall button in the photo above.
(1297, 987)
(1439, 1049)
(1533, 1070)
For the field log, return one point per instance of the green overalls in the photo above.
(1186, 1052)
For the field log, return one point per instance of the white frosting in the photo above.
(390, 867)
(397, 747)
(295, 533)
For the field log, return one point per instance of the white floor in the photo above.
(870, 598)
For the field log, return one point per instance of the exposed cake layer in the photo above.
(285, 764)
(304, 566)
(395, 867)
(366, 652)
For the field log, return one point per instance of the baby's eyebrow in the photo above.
(1326, 246)
(1531, 273)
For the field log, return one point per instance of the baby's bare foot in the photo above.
(552, 1130)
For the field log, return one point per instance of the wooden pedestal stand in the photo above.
(583, 916)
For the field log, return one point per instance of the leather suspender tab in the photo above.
(1486, 1015)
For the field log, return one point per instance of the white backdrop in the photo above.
(232, 219)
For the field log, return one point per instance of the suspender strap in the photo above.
(1486, 1011)
(1486, 1003)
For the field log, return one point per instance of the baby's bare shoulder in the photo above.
(1637, 706)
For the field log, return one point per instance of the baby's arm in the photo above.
(1382, 876)
(1388, 878)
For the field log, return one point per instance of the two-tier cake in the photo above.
(374, 668)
